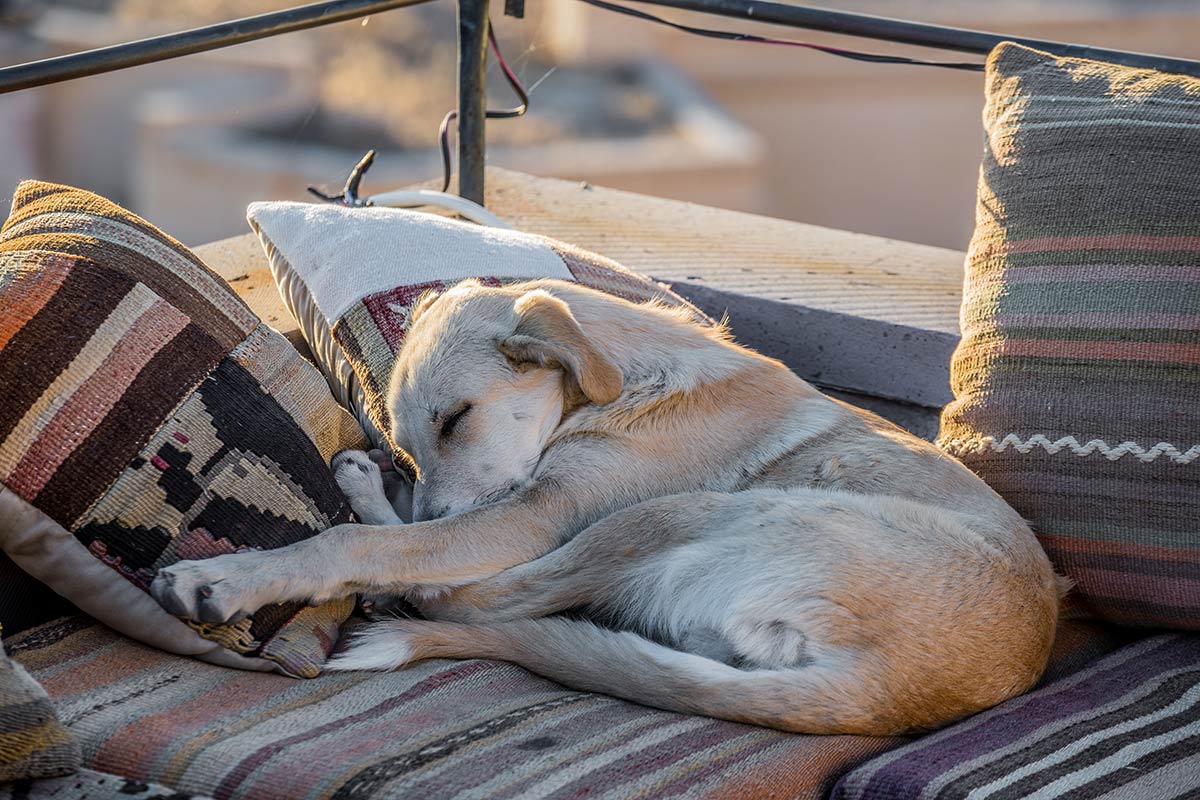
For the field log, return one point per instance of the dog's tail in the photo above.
(815, 698)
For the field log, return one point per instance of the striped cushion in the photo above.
(350, 277)
(1078, 376)
(1126, 728)
(33, 743)
(90, 785)
(434, 729)
(148, 417)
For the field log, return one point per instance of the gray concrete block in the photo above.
(863, 355)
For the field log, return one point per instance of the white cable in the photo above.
(414, 198)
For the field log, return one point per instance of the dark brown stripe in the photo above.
(170, 377)
(1110, 516)
(1111, 409)
(49, 634)
(1015, 481)
(27, 194)
(144, 269)
(40, 351)
(1145, 494)
(1160, 479)
(1096, 467)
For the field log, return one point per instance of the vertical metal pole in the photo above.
(472, 96)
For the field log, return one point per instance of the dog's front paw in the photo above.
(224, 589)
(360, 479)
(358, 475)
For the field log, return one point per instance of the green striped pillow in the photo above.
(1077, 381)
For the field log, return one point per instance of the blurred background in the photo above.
(882, 149)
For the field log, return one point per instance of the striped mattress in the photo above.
(439, 729)
(1125, 728)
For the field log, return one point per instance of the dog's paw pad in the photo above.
(356, 474)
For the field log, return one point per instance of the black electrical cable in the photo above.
(506, 113)
(875, 58)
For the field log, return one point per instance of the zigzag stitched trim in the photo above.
(981, 443)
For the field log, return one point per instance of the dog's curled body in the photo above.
(744, 546)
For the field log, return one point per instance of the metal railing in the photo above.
(472, 50)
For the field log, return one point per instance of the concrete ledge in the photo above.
(872, 320)
(836, 350)
(860, 313)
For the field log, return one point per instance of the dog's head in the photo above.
(483, 379)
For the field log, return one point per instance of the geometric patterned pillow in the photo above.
(149, 417)
(33, 743)
(350, 276)
(1077, 379)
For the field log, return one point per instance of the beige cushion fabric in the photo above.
(42, 547)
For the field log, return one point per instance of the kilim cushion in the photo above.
(350, 277)
(91, 785)
(148, 417)
(1077, 380)
(1125, 728)
(436, 729)
(33, 743)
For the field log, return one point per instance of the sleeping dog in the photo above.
(739, 545)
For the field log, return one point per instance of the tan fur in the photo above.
(547, 335)
(757, 551)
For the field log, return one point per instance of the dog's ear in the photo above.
(421, 306)
(548, 335)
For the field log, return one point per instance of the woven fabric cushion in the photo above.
(33, 743)
(149, 417)
(91, 785)
(350, 277)
(435, 729)
(1125, 728)
(1077, 380)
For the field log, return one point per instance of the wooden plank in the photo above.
(240, 260)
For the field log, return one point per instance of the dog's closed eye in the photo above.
(451, 420)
